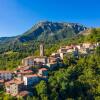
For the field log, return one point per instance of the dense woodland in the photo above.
(78, 79)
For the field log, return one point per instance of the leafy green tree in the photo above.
(41, 89)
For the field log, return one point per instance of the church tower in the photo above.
(42, 49)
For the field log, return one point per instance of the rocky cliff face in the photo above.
(45, 30)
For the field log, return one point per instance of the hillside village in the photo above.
(33, 69)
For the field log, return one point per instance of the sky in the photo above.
(17, 16)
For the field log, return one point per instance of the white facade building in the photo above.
(62, 50)
(78, 46)
(55, 55)
(62, 55)
(41, 59)
(29, 61)
(86, 45)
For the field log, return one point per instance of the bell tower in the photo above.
(42, 49)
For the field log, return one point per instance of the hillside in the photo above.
(11, 55)
(86, 32)
(18, 50)
(45, 31)
(77, 79)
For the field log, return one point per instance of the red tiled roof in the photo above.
(5, 71)
(23, 68)
(1, 81)
(25, 72)
(43, 69)
(13, 81)
(23, 93)
(51, 63)
(9, 82)
(33, 75)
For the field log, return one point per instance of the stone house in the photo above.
(14, 86)
(42, 60)
(28, 61)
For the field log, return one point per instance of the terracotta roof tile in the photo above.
(23, 93)
(25, 72)
(33, 75)
(14, 81)
(5, 71)
(1, 81)
(43, 69)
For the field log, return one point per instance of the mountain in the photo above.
(49, 32)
